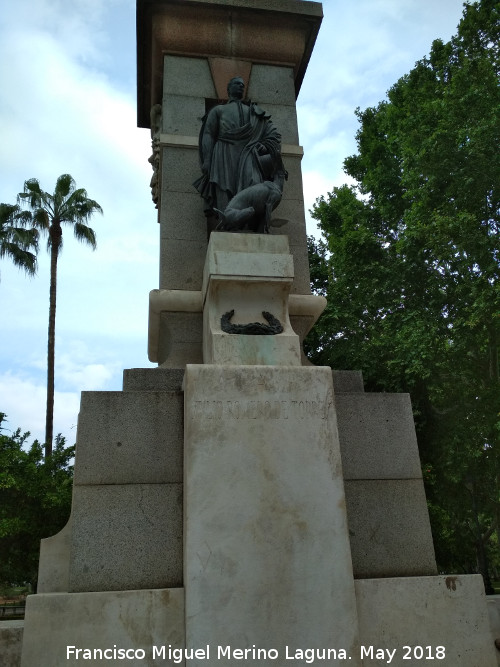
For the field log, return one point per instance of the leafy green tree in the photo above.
(17, 242)
(35, 502)
(48, 213)
(410, 265)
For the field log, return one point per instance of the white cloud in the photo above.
(24, 402)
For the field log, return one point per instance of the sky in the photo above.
(68, 105)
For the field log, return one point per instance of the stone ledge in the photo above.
(11, 643)
(130, 437)
(447, 611)
(186, 301)
(377, 436)
(126, 537)
(389, 528)
(137, 619)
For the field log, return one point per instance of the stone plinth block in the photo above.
(175, 330)
(377, 436)
(389, 528)
(181, 264)
(270, 84)
(180, 167)
(245, 277)
(126, 537)
(187, 76)
(137, 622)
(180, 339)
(175, 336)
(53, 566)
(182, 218)
(11, 638)
(266, 550)
(302, 280)
(347, 382)
(440, 620)
(153, 379)
(129, 438)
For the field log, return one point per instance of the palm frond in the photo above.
(21, 258)
(41, 219)
(25, 238)
(85, 233)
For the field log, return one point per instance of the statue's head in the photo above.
(236, 88)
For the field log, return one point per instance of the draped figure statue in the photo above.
(239, 148)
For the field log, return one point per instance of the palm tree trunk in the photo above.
(55, 236)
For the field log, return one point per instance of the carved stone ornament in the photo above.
(253, 328)
(154, 160)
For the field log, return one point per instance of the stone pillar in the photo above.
(266, 548)
(187, 52)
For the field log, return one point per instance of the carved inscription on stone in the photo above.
(272, 409)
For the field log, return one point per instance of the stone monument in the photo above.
(238, 505)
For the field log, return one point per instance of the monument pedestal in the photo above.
(266, 547)
(266, 515)
(247, 278)
(211, 526)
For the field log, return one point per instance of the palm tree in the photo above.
(71, 206)
(15, 240)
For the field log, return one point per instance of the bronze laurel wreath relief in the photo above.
(253, 328)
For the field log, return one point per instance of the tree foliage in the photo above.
(410, 266)
(17, 242)
(46, 213)
(35, 502)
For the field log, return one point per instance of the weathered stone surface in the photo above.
(293, 187)
(180, 168)
(126, 537)
(302, 281)
(389, 528)
(153, 379)
(182, 114)
(175, 327)
(293, 211)
(271, 84)
(347, 381)
(11, 638)
(182, 218)
(181, 339)
(187, 76)
(267, 557)
(181, 264)
(248, 275)
(285, 119)
(129, 438)
(493, 603)
(427, 612)
(123, 619)
(377, 436)
(248, 256)
(301, 325)
(53, 567)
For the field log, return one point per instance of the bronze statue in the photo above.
(240, 148)
(252, 207)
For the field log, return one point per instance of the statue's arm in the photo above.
(270, 141)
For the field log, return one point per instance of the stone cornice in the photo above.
(199, 28)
